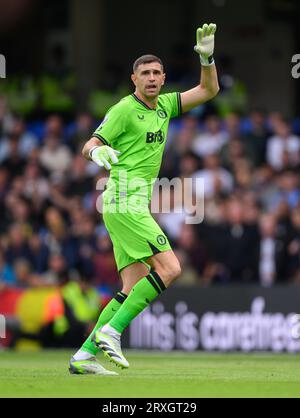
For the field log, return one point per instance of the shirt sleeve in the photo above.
(112, 126)
(172, 104)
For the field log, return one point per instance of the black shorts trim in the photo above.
(153, 248)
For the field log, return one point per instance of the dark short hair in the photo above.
(146, 59)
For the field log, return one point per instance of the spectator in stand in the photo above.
(58, 196)
(26, 140)
(6, 118)
(294, 244)
(17, 244)
(54, 127)
(288, 190)
(7, 275)
(92, 201)
(86, 244)
(216, 179)
(271, 252)
(57, 268)
(39, 254)
(255, 141)
(251, 209)
(184, 136)
(36, 184)
(55, 157)
(274, 119)
(264, 187)
(23, 272)
(81, 182)
(4, 187)
(211, 140)
(189, 164)
(191, 244)
(237, 245)
(20, 213)
(243, 174)
(231, 153)
(83, 129)
(233, 126)
(14, 163)
(283, 148)
(3, 183)
(57, 237)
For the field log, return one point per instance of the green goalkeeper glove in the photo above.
(206, 43)
(104, 156)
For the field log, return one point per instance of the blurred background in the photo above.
(67, 62)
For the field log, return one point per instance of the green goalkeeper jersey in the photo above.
(140, 134)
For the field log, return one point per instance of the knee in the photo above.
(176, 271)
(169, 273)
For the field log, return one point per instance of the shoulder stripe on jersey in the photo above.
(179, 104)
(141, 102)
(101, 138)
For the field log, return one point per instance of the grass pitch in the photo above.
(45, 374)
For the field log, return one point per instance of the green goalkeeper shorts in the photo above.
(135, 236)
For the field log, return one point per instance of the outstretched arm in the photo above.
(209, 86)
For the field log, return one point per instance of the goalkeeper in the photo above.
(130, 142)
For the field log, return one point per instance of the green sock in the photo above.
(106, 315)
(140, 296)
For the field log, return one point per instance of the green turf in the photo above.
(45, 374)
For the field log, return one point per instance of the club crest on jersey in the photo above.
(162, 114)
(153, 137)
(161, 240)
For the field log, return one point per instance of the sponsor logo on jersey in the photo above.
(162, 114)
(155, 137)
(161, 239)
(141, 117)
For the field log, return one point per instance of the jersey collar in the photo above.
(141, 102)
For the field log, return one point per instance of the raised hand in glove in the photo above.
(206, 43)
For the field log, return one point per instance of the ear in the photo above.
(133, 78)
(164, 79)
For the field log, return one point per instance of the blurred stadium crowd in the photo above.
(50, 229)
